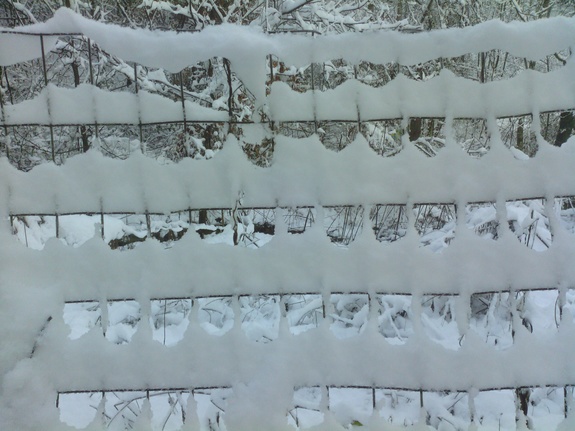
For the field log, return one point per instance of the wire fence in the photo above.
(48, 113)
(435, 223)
(457, 408)
(205, 102)
(348, 313)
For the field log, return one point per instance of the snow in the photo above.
(446, 279)
(530, 40)
(68, 106)
(351, 176)
(15, 48)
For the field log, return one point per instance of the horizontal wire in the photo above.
(368, 294)
(269, 122)
(269, 208)
(376, 387)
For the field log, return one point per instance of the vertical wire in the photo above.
(45, 72)
(139, 110)
(91, 66)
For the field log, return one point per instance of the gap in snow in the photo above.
(349, 314)
(481, 218)
(303, 311)
(123, 319)
(215, 314)
(427, 134)
(122, 409)
(472, 135)
(438, 319)
(175, 140)
(518, 135)
(350, 406)
(493, 65)
(343, 223)
(492, 316)
(528, 221)
(395, 318)
(383, 137)
(435, 224)
(565, 212)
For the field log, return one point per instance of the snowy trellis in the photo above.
(375, 285)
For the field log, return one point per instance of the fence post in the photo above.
(2, 114)
(102, 225)
(139, 113)
(3, 72)
(228, 69)
(521, 402)
(90, 61)
(314, 101)
(8, 87)
(357, 101)
(43, 60)
(565, 402)
(148, 224)
(183, 101)
(91, 66)
(48, 98)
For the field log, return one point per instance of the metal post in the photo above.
(5, 73)
(356, 102)
(8, 87)
(565, 402)
(44, 60)
(52, 147)
(271, 123)
(2, 103)
(102, 418)
(314, 102)
(182, 96)
(139, 114)
(102, 224)
(141, 136)
(271, 72)
(183, 104)
(136, 77)
(92, 80)
(25, 233)
(46, 84)
(90, 61)
(228, 68)
(148, 224)
(164, 318)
